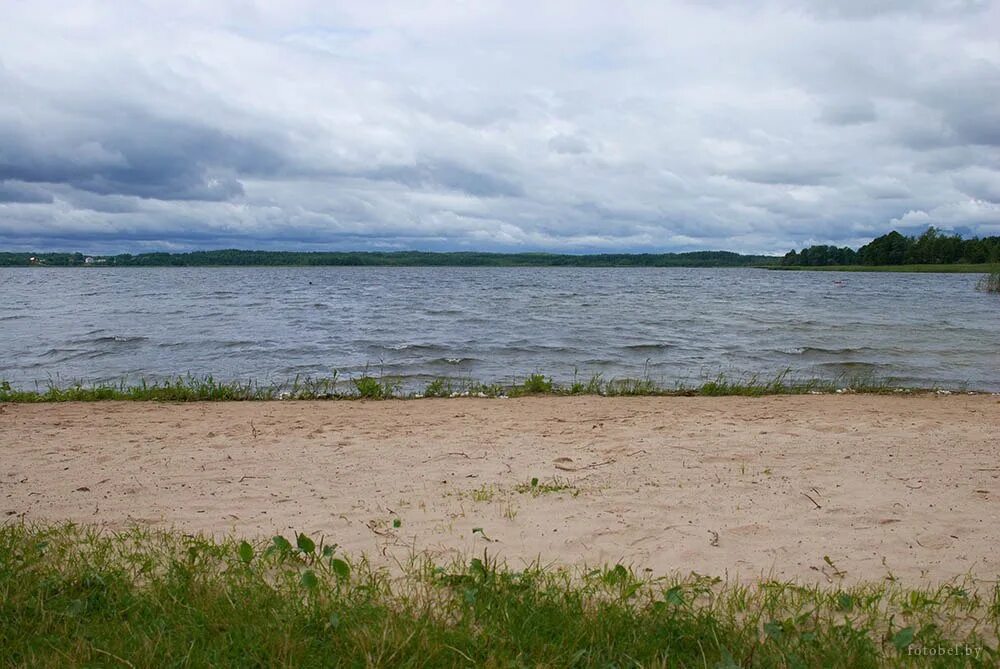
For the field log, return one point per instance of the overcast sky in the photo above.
(558, 126)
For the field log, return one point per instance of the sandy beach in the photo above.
(735, 487)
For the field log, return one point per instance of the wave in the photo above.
(659, 346)
(120, 339)
(443, 312)
(108, 340)
(411, 347)
(819, 350)
(452, 361)
(853, 365)
(62, 355)
(237, 343)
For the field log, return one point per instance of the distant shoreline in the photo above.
(944, 268)
(392, 266)
(984, 268)
(242, 258)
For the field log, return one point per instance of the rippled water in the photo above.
(674, 325)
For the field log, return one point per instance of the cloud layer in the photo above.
(501, 125)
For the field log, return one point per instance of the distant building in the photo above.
(88, 261)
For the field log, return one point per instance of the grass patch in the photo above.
(181, 389)
(74, 597)
(485, 493)
(439, 388)
(371, 388)
(536, 384)
(534, 487)
(208, 389)
(755, 385)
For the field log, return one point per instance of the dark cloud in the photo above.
(13, 191)
(135, 153)
(447, 176)
(980, 184)
(787, 175)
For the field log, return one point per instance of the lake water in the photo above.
(493, 324)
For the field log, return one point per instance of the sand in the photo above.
(743, 488)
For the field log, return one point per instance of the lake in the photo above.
(676, 325)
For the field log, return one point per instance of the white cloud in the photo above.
(494, 125)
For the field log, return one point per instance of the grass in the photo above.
(485, 493)
(73, 596)
(208, 389)
(535, 487)
(952, 268)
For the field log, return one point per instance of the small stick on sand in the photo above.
(593, 465)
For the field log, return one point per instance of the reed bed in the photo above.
(990, 283)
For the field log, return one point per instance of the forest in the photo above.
(929, 248)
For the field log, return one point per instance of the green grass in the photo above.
(72, 596)
(952, 268)
(485, 493)
(370, 388)
(207, 389)
(535, 487)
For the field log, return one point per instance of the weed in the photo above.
(484, 493)
(370, 388)
(208, 389)
(438, 388)
(534, 487)
(74, 596)
(989, 283)
(533, 385)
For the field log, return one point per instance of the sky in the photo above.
(502, 125)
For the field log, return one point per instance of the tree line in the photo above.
(238, 258)
(929, 248)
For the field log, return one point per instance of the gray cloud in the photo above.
(568, 144)
(13, 191)
(447, 176)
(783, 175)
(868, 9)
(980, 184)
(495, 125)
(848, 112)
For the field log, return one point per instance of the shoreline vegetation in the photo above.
(930, 249)
(990, 283)
(77, 595)
(366, 387)
(949, 268)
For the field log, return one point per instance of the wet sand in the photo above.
(736, 487)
